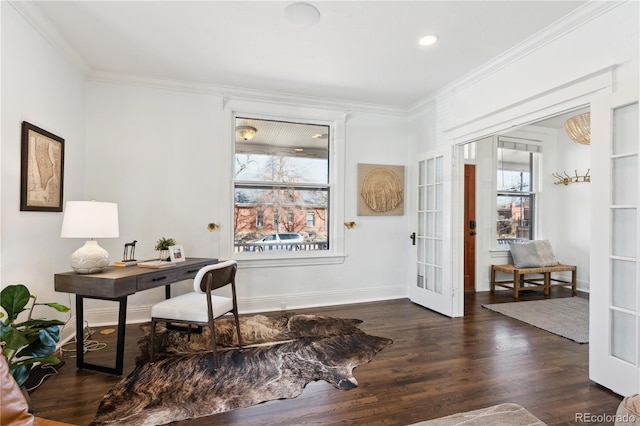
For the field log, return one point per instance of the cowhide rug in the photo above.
(281, 355)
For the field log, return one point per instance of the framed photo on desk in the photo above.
(176, 253)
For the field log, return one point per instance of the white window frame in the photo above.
(535, 190)
(337, 152)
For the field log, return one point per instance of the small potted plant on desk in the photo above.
(162, 247)
(29, 342)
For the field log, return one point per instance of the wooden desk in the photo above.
(116, 284)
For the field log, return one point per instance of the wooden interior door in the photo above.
(469, 228)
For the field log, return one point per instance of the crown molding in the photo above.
(239, 93)
(38, 20)
(579, 17)
(589, 11)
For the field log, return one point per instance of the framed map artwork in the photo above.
(42, 172)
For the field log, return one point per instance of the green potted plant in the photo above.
(29, 342)
(162, 246)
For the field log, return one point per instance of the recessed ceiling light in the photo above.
(299, 150)
(428, 40)
(302, 14)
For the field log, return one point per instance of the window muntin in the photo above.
(515, 194)
(283, 172)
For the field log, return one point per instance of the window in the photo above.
(515, 190)
(282, 171)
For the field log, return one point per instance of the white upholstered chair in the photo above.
(200, 307)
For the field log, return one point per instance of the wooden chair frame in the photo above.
(209, 278)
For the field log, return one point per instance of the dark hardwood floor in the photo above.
(436, 366)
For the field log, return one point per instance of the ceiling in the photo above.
(359, 51)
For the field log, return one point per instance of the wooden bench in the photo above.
(545, 282)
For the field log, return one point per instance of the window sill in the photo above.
(266, 260)
(499, 253)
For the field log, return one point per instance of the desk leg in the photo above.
(122, 322)
(79, 331)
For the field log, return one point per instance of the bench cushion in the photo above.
(534, 254)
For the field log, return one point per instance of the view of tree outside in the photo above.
(282, 184)
(514, 195)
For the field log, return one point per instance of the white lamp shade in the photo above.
(90, 219)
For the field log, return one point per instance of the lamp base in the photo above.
(90, 258)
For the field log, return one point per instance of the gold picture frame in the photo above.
(380, 190)
(42, 170)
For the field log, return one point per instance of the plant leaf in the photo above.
(44, 345)
(13, 299)
(39, 323)
(14, 339)
(57, 306)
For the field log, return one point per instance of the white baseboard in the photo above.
(137, 314)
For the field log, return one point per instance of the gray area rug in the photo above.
(567, 317)
(499, 415)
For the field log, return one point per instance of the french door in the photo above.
(432, 287)
(614, 356)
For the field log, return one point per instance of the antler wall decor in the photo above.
(566, 179)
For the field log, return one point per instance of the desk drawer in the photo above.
(156, 279)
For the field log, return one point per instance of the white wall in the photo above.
(522, 91)
(163, 156)
(40, 87)
(570, 209)
(144, 146)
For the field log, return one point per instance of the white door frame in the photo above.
(596, 92)
(569, 96)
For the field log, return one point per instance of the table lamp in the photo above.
(90, 219)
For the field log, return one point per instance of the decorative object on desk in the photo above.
(289, 351)
(380, 190)
(176, 254)
(162, 247)
(566, 316)
(566, 179)
(156, 264)
(42, 170)
(212, 227)
(90, 219)
(31, 341)
(129, 255)
(579, 128)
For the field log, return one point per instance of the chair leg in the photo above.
(152, 343)
(235, 314)
(216, 362)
